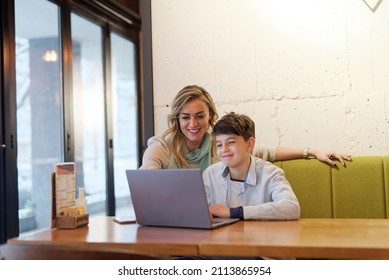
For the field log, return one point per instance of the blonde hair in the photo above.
(173, 135)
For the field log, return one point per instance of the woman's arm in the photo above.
(328, 157)
(156, 155)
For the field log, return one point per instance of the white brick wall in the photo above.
(309, 72)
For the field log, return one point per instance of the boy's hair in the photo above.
(237, 124)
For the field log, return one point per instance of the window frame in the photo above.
(8, 185)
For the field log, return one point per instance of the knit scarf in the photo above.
(201, 156)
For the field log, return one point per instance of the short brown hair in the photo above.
(237, 124)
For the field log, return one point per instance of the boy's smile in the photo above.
(234, 152)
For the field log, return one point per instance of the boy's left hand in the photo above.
(220, 211)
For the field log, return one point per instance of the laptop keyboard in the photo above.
(222, 221)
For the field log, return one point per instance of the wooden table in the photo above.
(304, 238)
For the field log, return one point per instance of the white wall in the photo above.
(309, 72)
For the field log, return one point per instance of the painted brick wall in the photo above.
(310, 73)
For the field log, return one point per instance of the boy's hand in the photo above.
(220, 211)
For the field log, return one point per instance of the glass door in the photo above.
(89, 112)
(39, 108)
(54, 125)
(125, 118)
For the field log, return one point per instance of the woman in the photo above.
(187, 143)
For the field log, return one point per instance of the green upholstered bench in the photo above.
(361, 190)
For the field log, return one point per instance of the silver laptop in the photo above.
(171, 198)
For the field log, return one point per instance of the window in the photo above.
(124, 108)
(38, 108)
(64, 115)
(89, 111)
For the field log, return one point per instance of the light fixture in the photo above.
(50, 56)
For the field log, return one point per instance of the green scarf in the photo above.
(201, 156)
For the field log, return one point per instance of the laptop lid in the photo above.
(170, 197)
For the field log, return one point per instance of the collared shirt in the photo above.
(264, 195)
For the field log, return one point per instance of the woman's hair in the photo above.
(173, 135)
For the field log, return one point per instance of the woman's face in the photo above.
(194, 121)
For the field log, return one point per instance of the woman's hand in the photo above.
(330, 157)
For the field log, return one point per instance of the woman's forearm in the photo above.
(283, 153)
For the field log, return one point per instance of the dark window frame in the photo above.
(8, 185)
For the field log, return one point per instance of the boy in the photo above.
(241, 185)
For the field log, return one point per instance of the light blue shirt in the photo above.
(265, 194)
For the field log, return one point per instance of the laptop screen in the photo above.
(169, 197)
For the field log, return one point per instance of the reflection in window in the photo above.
(39, 108)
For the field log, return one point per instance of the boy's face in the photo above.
(233, 150)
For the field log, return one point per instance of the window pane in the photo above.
(39, 108)
(125, 132)
(88, 111)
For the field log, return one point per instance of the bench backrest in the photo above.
(361, 190)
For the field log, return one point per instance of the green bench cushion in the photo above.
(358, 190)
(386, 178)
(311, 182)
(361, 190)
